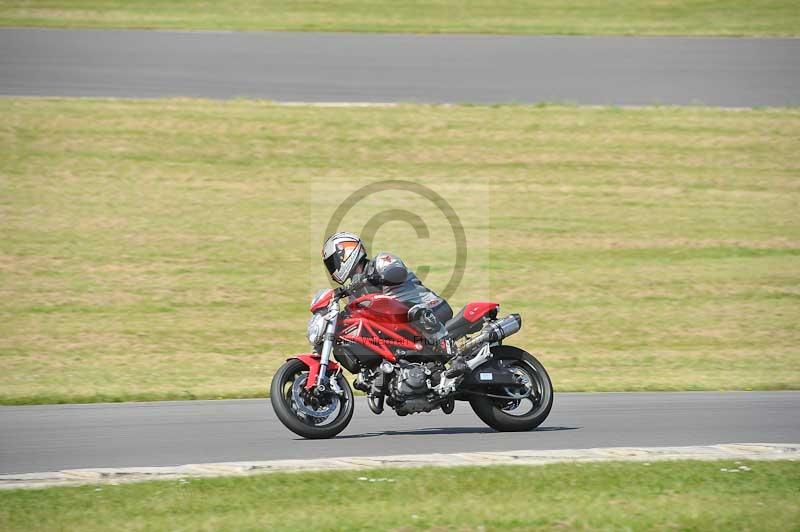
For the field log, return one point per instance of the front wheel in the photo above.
(515, 413)
(305, 413)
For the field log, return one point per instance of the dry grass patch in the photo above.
(160, 248)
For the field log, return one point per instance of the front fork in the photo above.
(327, 347)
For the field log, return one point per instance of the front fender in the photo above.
(312, 360)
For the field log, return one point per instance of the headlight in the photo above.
(316, 328)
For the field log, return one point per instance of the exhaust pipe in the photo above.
(495, 331)
(506, 327)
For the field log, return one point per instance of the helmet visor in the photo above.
(333, 263)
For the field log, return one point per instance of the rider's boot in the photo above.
(437, 337)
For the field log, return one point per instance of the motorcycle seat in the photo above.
(469, 319)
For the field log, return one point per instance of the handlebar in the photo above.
(343, 291)
(339, 293)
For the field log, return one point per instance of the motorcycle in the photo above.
(373, 338)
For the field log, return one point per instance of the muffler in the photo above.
(495, 331)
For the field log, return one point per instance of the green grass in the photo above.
(612, 496)
(587, 17)
(165, 248)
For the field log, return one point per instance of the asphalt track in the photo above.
(55, 437)
(314, 67)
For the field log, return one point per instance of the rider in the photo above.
(345, 257)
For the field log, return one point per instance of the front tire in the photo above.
(498, 413)
(291, 377)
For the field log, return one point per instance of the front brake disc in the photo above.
(322, 411)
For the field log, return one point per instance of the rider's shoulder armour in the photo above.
(390, 268)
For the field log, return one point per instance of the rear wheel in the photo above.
(526, 406)
(304, 412)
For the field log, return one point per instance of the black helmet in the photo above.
(342, 253)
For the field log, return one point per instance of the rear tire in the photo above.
(494, 412)
(287, 412)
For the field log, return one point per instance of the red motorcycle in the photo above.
(373, 338)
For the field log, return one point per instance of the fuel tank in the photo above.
(380, 308)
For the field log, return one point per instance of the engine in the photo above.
(410, 387)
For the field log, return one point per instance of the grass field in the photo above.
(615, 496)
(587, 17)
(161, 249)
